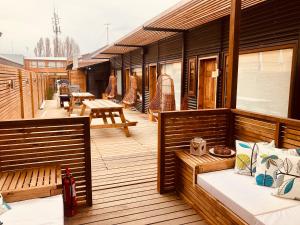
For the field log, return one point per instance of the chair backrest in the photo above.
(111, 90)
(164, 98)
(131, 95)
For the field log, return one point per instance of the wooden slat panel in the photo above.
(176, 129)
(32, 143)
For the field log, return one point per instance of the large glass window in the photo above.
(33, 64)
(51, 64)
(174, 70)
(119, 82)
(264, 81)
(41, 64)
(138, 73)
(60, 64)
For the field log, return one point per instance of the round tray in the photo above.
(211, 151)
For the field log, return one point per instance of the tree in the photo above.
(67, 48)
(48, 50)
(39, 50)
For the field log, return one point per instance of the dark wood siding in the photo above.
(151, 53)
(202, 42)
(170, 48)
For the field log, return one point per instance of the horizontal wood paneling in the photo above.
(12, 101)
(177, 129)
(10, 104)
(170, 48)
(32, 143)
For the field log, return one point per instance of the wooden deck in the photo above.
(124, 178)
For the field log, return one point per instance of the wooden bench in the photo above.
(25, 144)
(217, 127)
(31, 183)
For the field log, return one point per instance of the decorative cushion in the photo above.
(246, 156)
(3, 205)
(288, 177)
(269, 161)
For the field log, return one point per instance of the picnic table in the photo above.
(111, 114)
(79, 97)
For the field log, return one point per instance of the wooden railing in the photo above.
(217, 127)
(21, 93)
(65, 142)
(176, 129)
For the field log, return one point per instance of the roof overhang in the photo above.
(185, 15)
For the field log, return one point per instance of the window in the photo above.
(264, 82)
(51, 64)
(192, 77)
(119, 82)
(41, 64)
(33, 64)
(138, 73)
(60, 64)
(174, 70)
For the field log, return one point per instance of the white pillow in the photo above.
(288, 177)
(246, 156)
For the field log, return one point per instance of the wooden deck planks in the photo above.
(124, 174)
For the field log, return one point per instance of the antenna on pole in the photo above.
(56, 31)
(107, 32)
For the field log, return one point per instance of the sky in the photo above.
(23, 22)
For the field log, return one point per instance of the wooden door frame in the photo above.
(199, 59)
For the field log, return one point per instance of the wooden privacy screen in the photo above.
(250, 126)
(34, 143)
(21, 93)
(10, 105)
(176, 129)
(218, 127)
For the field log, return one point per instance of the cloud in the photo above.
(24, 22)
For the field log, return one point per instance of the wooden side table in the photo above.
(188, 166)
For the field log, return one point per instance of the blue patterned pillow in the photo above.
(269, 161)
(288, 177)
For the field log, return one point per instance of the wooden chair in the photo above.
(131, 95)
(164, 98)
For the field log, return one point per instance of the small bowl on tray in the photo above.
(222, 151)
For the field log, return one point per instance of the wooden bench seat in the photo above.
(31, 183)
(217, 127)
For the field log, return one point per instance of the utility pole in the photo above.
(107, 32)
(57, 31)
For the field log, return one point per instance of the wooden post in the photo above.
(182, 69)
(233, 58)
(21, 93)
(38, 89)
(143, 81)
(32, 95)
(123, 76)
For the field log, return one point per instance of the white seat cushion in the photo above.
(40, 211)
(243, 196)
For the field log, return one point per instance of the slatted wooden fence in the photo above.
(176, 129)
(218, 127)
(21, 93)
(65, 142)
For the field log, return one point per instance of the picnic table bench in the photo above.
(79, 97)
(111, 114)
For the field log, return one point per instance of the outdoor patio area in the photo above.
(124, 171)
